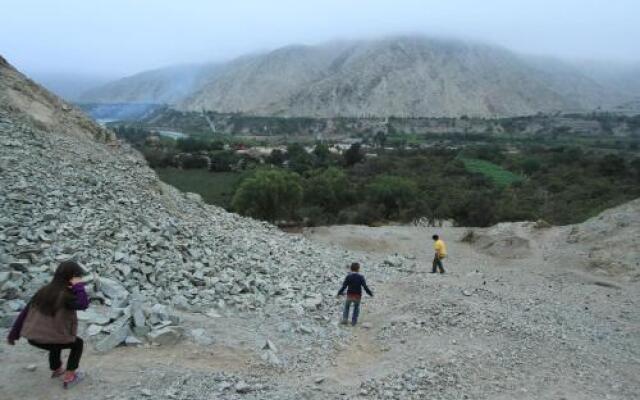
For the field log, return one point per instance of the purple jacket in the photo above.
(81, 302)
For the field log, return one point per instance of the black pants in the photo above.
(55, 360)
(437, 264)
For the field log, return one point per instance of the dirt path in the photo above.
(489, 328)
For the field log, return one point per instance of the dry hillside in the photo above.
(400, 76)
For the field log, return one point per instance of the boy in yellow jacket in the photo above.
(440, 253)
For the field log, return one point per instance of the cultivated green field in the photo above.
(214, 187)
(496, 173)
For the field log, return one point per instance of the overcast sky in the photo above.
(120, 37)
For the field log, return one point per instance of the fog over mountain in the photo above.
(121, 37)
(166, 85)
(401, 75)
(172, 51)
(624, 77)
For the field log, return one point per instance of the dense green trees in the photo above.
(299, 160)
(562, 185)
(269, 194)
(559, 183)
(353, 155)
(193, 145)
(392, 194)
(530, 166)
(277, 157)
(612, 164)
(322, 155)
(194, 161)
(223, 161)
(329, 189)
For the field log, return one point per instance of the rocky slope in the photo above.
(69, 190)
(24, 99)
(402, 76)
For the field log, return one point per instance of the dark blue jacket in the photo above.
(354, 282)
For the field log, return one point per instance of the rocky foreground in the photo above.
(148, 248)
(192, 302)
(69, 190)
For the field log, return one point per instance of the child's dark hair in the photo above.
(355, 267)
(435, 237)
(52, 297)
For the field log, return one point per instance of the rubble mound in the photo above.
(65, 194)
(500, 241)
(607, 244)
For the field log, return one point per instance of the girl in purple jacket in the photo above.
(50, 322)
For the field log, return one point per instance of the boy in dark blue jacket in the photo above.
(354, 282)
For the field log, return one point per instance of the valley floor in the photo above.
(490, 328)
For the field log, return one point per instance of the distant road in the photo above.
(172, 134)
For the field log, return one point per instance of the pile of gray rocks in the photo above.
(144, 245)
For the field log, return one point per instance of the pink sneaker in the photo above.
(77, 378)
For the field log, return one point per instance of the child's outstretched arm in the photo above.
(366, 288)
(344, 286)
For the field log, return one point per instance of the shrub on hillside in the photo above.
(392, 193)
(269, 194)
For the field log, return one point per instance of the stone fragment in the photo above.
(200, 337)
(4, 277)
(93, 330)
(213, 314)
(119, 256)
(313, 303)
(16, 305)
(132, 341)
(10, 290)
(139, 320)
(141, 330)
(270, 357)
(165, 336)
(119, 332)
(268, 345)
(111, 288)
(91, 316)
(20, 265)
(305, 329)
(6, 321)
(160, 312)
(242, 387)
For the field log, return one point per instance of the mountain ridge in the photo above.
(401, 76)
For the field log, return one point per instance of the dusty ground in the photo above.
(491, 328)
